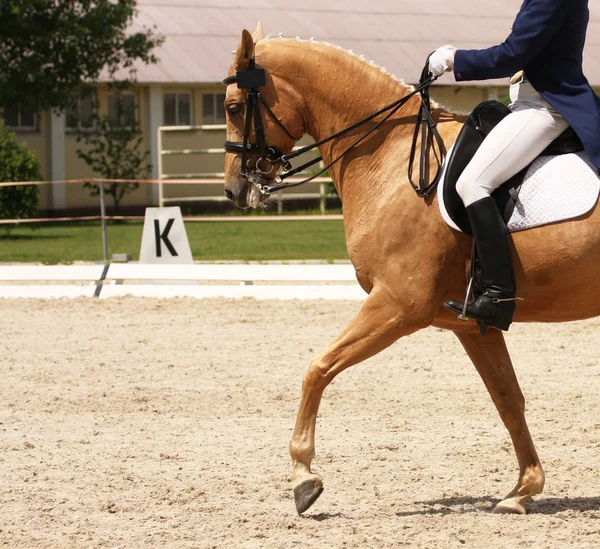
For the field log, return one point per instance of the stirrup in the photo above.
(463, 316)
(472, 271)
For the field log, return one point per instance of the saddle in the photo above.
(479, 124)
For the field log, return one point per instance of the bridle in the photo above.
(254, 78)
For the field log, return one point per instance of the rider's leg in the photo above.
(512, 145)
(496, 305)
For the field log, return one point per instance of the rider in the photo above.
(549, 92)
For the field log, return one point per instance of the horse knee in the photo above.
(318, 374)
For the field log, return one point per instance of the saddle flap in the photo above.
(479, 124)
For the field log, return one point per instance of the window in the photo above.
(80, 115)
(213, 111)
(122, 109)
(177, 109)
(20, 117)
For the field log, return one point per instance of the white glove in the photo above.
(442, 60)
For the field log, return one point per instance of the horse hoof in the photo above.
(509, 507)
(306, 493)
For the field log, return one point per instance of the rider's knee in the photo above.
(470, 191)
(464, 189)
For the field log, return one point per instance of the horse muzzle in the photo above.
(244, 192)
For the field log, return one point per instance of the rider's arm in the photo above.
(534, 27)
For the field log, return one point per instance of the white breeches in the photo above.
(512, 145)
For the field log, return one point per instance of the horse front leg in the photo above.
(378, 324)
(490, 356)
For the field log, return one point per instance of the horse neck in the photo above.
(335, 90)
(338, 89)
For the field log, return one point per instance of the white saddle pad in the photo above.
(555, 188)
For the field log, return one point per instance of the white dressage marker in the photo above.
(164, 239)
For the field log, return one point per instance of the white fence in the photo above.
(213, 178)
(333, 282)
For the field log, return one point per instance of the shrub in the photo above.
(17, 163)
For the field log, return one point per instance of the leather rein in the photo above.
(254, 78)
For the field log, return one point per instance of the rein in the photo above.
(254, 78)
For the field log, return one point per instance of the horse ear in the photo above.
(244, 52)
(259, 33)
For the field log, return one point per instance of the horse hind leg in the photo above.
(377, 325)
(490, 356)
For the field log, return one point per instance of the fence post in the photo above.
(160, 167)
(103, 222)
(323, 200)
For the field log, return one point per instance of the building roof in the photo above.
(397, 34)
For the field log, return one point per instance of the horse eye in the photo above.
(234, 108)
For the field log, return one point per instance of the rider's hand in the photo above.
(442, 60)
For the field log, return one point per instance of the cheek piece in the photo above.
(252, 79)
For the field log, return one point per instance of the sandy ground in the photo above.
(137, 423)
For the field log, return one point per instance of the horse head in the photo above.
(264, 120)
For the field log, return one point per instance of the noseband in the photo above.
(253, 78)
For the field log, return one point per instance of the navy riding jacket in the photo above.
(547, 42)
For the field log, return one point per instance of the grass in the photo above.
(247, 241)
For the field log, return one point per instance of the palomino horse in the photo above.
(406, 258)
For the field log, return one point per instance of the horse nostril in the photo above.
(229, 194)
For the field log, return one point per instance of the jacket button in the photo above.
(458, 76)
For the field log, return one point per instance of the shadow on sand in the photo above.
(463, 505)
(320, 517)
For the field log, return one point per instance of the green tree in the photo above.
(50, 48)
(114, 150)
(17, 163)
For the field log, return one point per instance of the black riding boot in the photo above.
(496, 305)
